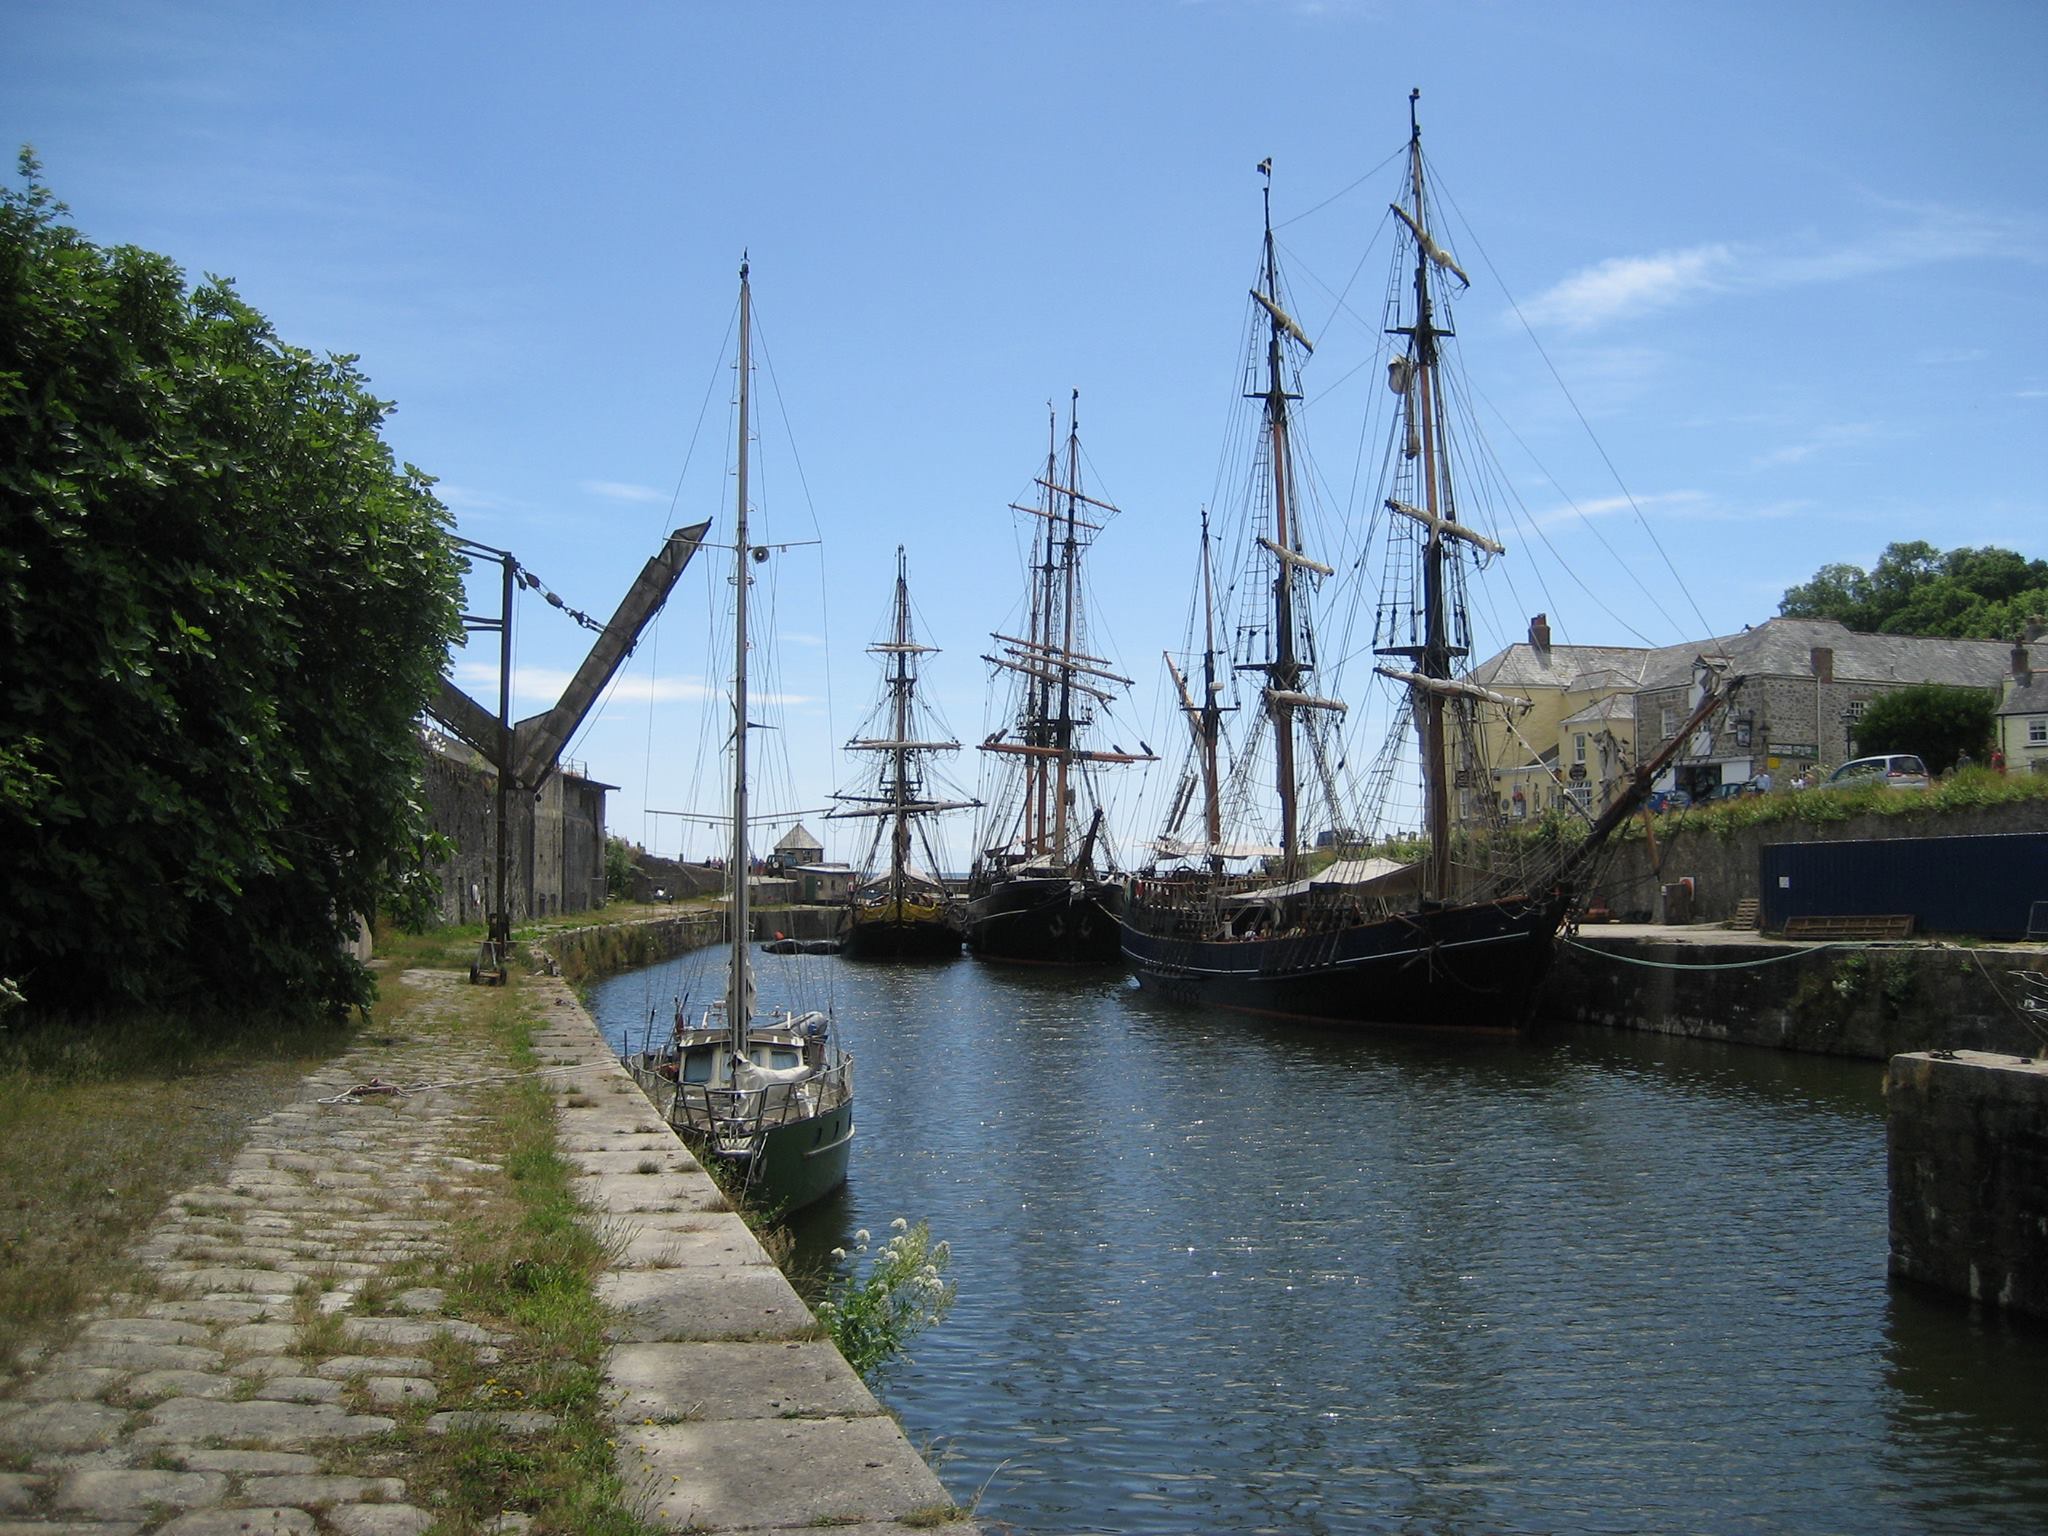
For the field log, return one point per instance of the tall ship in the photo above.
(765, 1093)
(1236, 911)
(1044, 886)
(901, 908)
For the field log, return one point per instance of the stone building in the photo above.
(1806, 684)
(1576, 740)
(556, 836)
(1597, 710)
(2022, 720)
(796, 848)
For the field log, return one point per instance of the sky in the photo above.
(1756, 288)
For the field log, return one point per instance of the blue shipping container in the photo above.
(1978, 886)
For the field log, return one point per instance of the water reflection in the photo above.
(1218, 1274)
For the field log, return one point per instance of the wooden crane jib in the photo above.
(525, 755)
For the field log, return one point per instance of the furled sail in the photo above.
(1430, 248)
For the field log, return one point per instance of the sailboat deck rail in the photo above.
(730, 1116)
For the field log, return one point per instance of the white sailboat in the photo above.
(768, 1094)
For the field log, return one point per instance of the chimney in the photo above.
(1823, 664)
(2022, 666)
(1539, 633)
(2034, 631)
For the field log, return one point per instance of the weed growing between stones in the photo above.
(525, 1266)
(872, 1317)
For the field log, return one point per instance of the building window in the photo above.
(1670, 722)
(1579, 747)
(2037, 733)
(1580, 795)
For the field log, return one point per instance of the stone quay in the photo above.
(274, 1343)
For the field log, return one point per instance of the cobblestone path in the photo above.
(270, 1339)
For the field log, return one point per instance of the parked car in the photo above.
(1896, 770)
(1733, 791)
(1668, 800)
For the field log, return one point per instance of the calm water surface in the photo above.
(1221, 1275)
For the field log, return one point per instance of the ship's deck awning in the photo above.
(1377, 877)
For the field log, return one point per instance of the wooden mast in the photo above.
(1436, 646)
(1063, 728)
(1038, 695)
(899, 791)
(1283, 672)
(1212, 790)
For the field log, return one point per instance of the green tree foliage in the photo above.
(1915, 589)
(619, 857)
(1938, 724)
(223, 607)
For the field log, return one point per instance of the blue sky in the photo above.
(1786, 259)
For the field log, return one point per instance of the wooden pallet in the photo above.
(1892, 926)
(1745, 914)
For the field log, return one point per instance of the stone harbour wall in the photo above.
(1863, 1001)
(1967, 1134)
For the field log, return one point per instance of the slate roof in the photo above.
(796, 838)
(2028, 698)
(1605, 711)
(1784, 648)
(1574, 667)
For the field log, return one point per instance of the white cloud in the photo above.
(1630, 285)
(544, 685)
(1822, 440)
(1915, 235)
(1610, 506)
(618, 490)
(461, 498)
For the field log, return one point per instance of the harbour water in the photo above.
(1222, 1275)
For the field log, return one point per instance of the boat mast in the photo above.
(1212, 713)
(901, 683)
(1283, 672)
(1064, 725)
(737, 986)
(1039, 693)
(1436, 644)
(1204, 721)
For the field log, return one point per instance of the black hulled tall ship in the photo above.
(901, 909)
(1044, 887)
(1460, 936)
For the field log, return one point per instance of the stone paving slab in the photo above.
(626, 1194)
(679, 1305)
(776, 1472)
(707, 1241)
(670, 1382)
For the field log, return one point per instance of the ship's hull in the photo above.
(802, 1162)
(1046, 921)
(901, 931)
(788, 1144)
(1453, 967)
